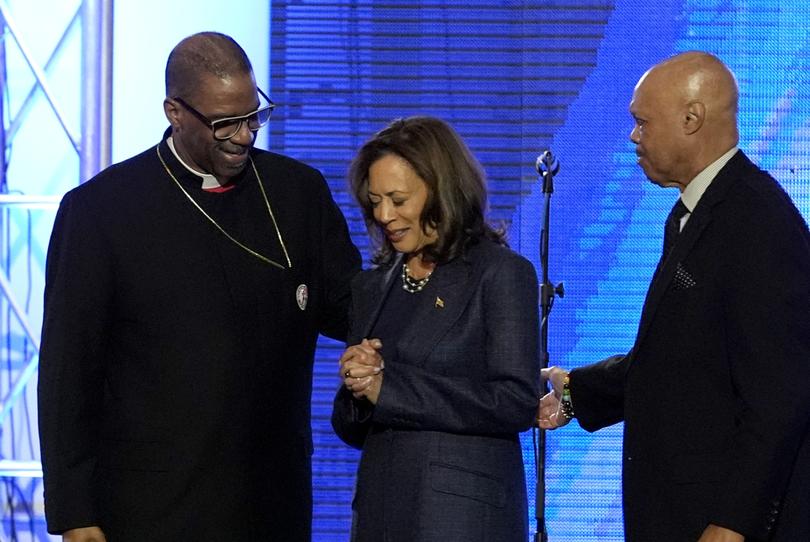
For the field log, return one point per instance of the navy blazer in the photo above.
(441, 456)
(715, 394)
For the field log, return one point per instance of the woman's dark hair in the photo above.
(457, 194)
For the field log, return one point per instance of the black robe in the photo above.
(176, 368)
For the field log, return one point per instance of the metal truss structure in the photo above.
(93, 147)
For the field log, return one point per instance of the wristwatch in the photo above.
(566, 406)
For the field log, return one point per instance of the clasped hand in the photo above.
(361, 369)
(549, 411)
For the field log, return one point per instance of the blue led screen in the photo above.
(516, 78)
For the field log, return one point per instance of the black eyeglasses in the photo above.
(228, 127)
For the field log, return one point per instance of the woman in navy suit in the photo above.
(453, 312)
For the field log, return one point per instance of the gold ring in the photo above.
(347, 374)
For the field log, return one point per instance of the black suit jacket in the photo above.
(175, 377)
(715, 394)
(441, 457)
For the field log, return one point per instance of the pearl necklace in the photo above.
(412, 285)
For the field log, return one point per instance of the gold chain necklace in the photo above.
(221, 229)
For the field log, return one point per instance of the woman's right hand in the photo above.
(361, 367)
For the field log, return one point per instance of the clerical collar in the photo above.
(694, 190)
(209, 182)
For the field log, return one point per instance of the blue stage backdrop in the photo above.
(516, 78)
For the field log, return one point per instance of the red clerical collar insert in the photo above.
(220, 189)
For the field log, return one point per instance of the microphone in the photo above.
(547, 166)
(547, 163)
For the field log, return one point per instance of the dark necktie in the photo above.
(673, 225)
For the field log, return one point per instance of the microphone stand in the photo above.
(547, 166)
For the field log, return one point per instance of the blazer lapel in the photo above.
(697, 222)
(700, 218)
(453, 285)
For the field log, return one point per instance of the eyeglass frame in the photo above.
(241, 118)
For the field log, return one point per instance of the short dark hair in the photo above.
(457, 194)
(203, 53)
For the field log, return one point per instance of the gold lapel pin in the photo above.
(439, 303)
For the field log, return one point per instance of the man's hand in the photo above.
(713, 533)
(549, 411)
(554, 376)
(361, 369)
(84, 534)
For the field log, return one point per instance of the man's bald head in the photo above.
(697, 77)
(686, 116)
(199, 55)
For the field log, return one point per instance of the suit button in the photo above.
(629, 458)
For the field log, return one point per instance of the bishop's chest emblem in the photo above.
(301, 296)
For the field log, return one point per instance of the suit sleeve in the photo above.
(71, 373)
(768, 327)
(597, 392)
(351, 418)
(339, 262)
(505, 402)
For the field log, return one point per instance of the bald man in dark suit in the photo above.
(715, 393)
